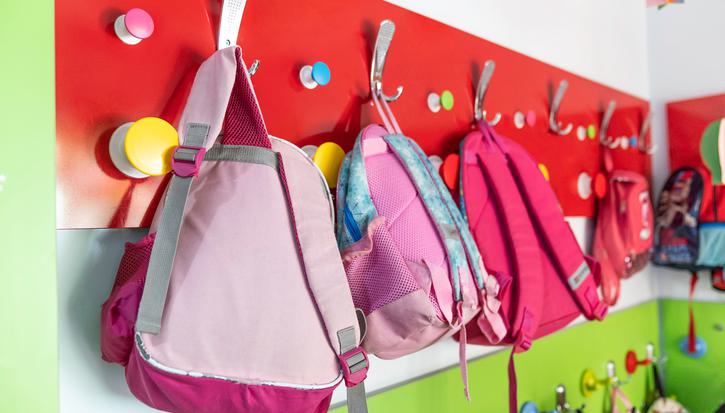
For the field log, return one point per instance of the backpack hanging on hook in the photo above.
(624, 226)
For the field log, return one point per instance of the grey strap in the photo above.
(153, 300)
(356, 400)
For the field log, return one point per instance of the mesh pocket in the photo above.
(380, 276)
(118, 314)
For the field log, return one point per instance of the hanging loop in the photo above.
(478, 111)
(554, 124)
(382, 45)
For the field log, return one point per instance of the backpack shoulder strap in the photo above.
(220, 96)
(559, 241)
(520, 234)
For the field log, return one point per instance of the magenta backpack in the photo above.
(625, 228)
(237, 300)
(545, 279)
(411, 262)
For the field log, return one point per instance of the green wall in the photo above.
(698, 383)
(559, 358)
(28, 348)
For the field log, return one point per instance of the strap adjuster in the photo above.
(354, 366)
(186, 160)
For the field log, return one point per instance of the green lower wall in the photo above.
(698, 383)
(28, 339)
(559, 358)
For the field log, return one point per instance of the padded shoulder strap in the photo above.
(559, 241)
(221, 94)
(524, 248)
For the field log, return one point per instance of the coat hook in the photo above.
(254, 67)
(554, 124)
(649, 149)
(382, 44)
(478, 111)
(606, 119)
(590, 383)
(631, 363)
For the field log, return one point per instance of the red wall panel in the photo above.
(102, 83)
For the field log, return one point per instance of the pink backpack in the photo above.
(545, 280)
(625, 228)
(412, 264)
(237, 300)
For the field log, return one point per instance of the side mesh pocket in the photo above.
(118, 313)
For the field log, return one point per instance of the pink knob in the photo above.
(134, 26)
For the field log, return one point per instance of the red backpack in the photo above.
(544, 279)
(624, 229)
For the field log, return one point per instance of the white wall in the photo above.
(685, 43)
(604, 41)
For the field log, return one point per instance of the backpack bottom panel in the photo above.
(185, 394)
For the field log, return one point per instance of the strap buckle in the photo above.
(354, 366)
(186, 160)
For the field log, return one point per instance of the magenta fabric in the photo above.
(521, 233)
(185, 394)
(118, 313)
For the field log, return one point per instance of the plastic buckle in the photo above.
(354, 366)
(186, 160)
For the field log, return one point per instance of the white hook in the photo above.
(642, 138)
(650, 349)
(380, 52)
(554, 124)
(606, 119)
(229, 23)
(478, 111)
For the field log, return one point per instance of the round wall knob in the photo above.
(586, 185)
(449, 170)
(437, 161)
(328, 157)
(134, 26)
(143, 148)
(436, 101)
(317, 74)
(519, 119)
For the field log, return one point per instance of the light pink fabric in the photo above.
(253, 299)
(398, 270)
(207, 102)
(206, 323)
(183, 394)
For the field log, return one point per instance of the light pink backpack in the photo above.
(412, 264)
(625, 228)
(546, 281)
(237, 300)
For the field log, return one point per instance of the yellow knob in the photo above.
(149, 144)
(328, 158)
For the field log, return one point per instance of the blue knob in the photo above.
(321, 73)
(633, 142)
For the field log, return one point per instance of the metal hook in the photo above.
(554, 124)
(606, 119)
(478, 112)
(382, 44)
(642, 139)
(254, 67)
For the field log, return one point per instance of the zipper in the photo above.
(351, 225)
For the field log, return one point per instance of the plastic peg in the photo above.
(436, 101)
(316, 74)
(436, 161)
(134, 26)
(586, 185)
(531, 118)
(328, 157)
(143, 148)
(449, 170)
(519, 120)
(581, 132)
(310, 150)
